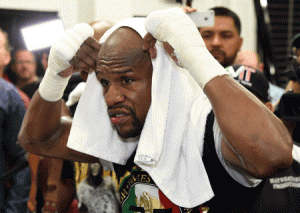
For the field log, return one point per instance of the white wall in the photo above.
(74, 11)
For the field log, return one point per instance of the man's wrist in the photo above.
(53, 86)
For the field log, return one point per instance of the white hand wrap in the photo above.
(178, 29)
(61, 52)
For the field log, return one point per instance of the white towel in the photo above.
(171, 142)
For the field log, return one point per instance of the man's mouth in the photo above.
(217, 53)
(119, 119)
(118, 116)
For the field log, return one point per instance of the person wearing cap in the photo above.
(254, 80)
(280, 192)
(250, 58)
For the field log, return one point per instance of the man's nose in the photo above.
(216, 40)
(114, 95)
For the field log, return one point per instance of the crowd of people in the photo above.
(148, 115)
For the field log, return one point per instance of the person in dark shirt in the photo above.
(125, 67)
(12, 157)
(24, 67)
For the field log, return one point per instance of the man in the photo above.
(251, 59)
(176, 179)
(15, 174)
(24, 66)
(5, 60)
(223, 40)
(280, 192)
(15, 177)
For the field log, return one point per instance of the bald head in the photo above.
(124, 43)
(249, 58)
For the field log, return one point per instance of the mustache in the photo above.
(217, 51)
(121, 106)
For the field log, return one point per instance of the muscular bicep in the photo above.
(229, 157)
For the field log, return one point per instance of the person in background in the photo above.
(24, 66)
(14, 169)
(250, 58)
(223, 40)
(15, 174)
(5, 58)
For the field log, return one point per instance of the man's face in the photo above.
(24, 65)
(125, 73)
(4, 54)
(222, 40)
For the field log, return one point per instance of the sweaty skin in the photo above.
(125, 71)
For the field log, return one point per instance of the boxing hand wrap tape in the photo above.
(176, 28)
(62, 51)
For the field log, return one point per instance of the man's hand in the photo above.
(74, 42)
(188, 9)
(86, 57)
(149, 45)
(149, 41)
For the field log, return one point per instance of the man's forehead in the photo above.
(122, 39)
(123, 44)
(24, 54)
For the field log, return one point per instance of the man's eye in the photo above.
(206, 36)
(127, 80)
(227, 35)
(104, 82)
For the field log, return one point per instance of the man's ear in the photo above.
(270, 106)
(240, 43)
(261, 66)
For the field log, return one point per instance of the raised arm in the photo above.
(253, 138)
(46, 125)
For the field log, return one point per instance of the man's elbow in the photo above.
(29, 144)
(272, 165)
